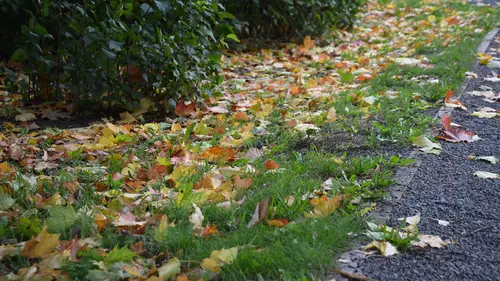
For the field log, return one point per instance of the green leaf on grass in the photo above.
(119, 255)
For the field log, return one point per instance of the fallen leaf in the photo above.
(491, 159)
(407, 61)
(486, 112)
(453, 103)
(453, 134)
(54, 114)
(170, 269)
(242, 183)
(326, 208)
(219, 258)
(413, 220)
(261, 212)
(126, 117)
(385, 248)
(41, 245)
(277, 222)
(443, 223)
(427, 146)
(196, 219)
(486, 175)
(429, 240)
(271, 165)
(24, 117)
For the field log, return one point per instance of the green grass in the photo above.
(268, 251)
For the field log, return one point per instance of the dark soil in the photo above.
(445, 188)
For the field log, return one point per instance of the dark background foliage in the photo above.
(291, 18)
(111, 54)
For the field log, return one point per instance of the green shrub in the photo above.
(113, 53)
(289, 18)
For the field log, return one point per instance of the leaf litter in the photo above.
(207, 141)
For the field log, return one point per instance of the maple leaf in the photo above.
(42, 245)
(325, 208)
(183, 108)
(453, 134)
(119, 255)
(242, 183)
(218, 153)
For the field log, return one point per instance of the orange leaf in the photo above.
(242, 183)
(218, 153)
(278, 222)
(101, 221)
(271, 165)
(209, 230)
(241, 116)
(449, 94)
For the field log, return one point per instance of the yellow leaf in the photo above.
(162, 161)
(326, 208)
(226, 256)
(41, 245)
(127, 117)
(131, 169)
(210, 264)
(169, 269)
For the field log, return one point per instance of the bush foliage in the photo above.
(289, 18)
(119, 51)
(114, 53)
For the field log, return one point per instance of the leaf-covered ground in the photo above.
(242, 187)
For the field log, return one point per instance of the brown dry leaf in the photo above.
(242, 183)
(261, 212)
(184, 108)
